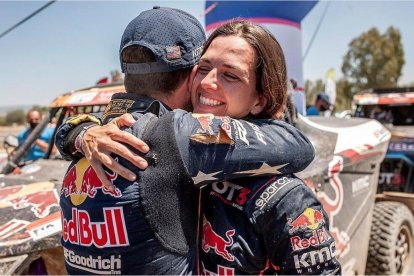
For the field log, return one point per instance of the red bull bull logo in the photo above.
(211, 240)
(82, 230)
(309, 219)
(81, 181)
(40, 202)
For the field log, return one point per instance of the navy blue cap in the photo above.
(324, 97)
(175, 37)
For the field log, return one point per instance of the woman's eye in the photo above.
(203, 69)
(231, 76)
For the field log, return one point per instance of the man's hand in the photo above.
(100, 141)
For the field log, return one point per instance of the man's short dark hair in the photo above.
(148, 84)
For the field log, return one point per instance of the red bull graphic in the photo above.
(40, 202)
(332, 206)
(81, 181)
(319, 236)
(205, 121)
(211, 240)
(309, 219)
(82, 231)
(7, 191)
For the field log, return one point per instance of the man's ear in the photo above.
(259, 106)
(191, 77)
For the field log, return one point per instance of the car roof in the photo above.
(95, 95)
(388, 96)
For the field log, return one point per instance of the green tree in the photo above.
(343, 95)
(16, 117)
(374, 60)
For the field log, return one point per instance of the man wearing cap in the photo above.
(322, 104)
(148, 225)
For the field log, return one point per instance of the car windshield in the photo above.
(398, 115)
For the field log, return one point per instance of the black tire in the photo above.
(391, 242)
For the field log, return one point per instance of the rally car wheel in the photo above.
(391, 242)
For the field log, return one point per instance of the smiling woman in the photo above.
(241, 73)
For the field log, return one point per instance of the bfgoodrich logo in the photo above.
(93, 264)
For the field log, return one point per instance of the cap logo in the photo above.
(197, 52)
(173, 52)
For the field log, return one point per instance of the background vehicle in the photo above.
(393, 220)
(30, 224)
(344, 176)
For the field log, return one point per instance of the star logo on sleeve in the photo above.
(263, 170)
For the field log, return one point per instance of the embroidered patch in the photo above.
(173, 52)
(117, 107)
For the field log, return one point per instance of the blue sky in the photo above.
(72, 44)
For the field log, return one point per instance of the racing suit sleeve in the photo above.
(215, 148)
(68, 131)
(295, 229)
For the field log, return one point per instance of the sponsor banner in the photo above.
(309, 219)
(308, 261)
(81, 182)
(45, 227)
(360, 185)
(212, 240)
(81, 230)
(319, 236)
(94, 264)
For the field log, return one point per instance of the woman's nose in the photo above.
(210, 81)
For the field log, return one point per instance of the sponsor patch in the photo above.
(220, 138)
(240, 132)
(319, 236)
(95, 265)
(271, 191)
(308, 261)
(212, 240)
(173, 52)
(81, 182)
(117, 107)
(230, 193)
(309, 219)
(205, 121)
(81, 230)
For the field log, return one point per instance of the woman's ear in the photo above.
(259, 106)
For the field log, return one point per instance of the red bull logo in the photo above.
(319, 236)
(40, 202)
(83, 231)
(211, 240)
(81, 181)
(309, 219)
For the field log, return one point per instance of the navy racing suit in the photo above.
(150, 226)
(264, 225)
